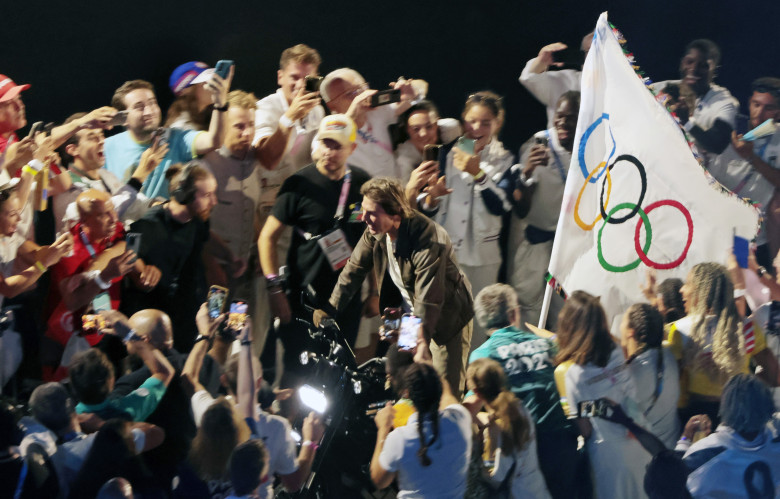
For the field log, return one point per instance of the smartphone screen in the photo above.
(92, 323)
(466, 145)
(431, 152)
(384, 97)
(238, 315)
(410, 325)
(216, 300)
(741, 251)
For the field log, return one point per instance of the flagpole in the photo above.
(548, 291)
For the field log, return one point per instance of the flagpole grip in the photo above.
(548, 291)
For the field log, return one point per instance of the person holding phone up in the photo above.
(468, 200)
(424, 277)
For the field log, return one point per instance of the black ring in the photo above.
(641, 169)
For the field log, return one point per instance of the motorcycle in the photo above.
(345, 396)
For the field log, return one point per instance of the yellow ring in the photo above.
(577, 218)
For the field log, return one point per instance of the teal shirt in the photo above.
(138, 404)
(123, 153)
(527, 360)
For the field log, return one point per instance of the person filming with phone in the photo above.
(414, 263)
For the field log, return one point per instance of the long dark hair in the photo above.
(425, 390)
(583, 334)
(648, 326)
(674, 306)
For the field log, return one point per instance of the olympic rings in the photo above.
(643, 252)
(584, 143)
(577, 219)
(641, 169)
(648, 238)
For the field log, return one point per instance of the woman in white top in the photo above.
(512, 431)
(653, 369)
(468, 201)
(597, 370)
(429, 455)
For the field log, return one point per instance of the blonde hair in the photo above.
(302, 54)
(241, 99)
(712, 293)
(488, 381)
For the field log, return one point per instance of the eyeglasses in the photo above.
(353, 92)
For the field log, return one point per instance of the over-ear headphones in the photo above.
(185, 189)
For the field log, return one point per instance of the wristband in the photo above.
(99, 280)
(286, 122)
(246, 342)
(739, 293)
(201, 337)
(309, 443)
(35, 165)
(479, 176)
(30, 170)
(221, 108)
(40, 266)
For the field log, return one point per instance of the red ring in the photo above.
(689, 220)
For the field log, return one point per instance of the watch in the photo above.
(222, 108)
(201, 337)
(761, 271)
(95, 276)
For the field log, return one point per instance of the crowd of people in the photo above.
(331, 199)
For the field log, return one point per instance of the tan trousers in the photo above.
(450, 359)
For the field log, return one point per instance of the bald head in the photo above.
(155, 325)
(116, 488)
(91, 200)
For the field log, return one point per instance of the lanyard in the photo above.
(558, 164)
(344, 193)
(20, 481)
(339, 209)
(87, 244)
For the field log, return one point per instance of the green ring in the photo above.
(648, 239)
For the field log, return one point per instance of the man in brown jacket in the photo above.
(415, 266)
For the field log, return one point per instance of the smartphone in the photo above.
(466, 145)
(384, 97)
(431, 152)
(216, 300)
(570, 57)
(164, 135)
(35, 128)
(92, 323)
(541, 139)
(741, 251)
(133, 242)
(313, 83)
(238, 315)
(593, 408)
(410, 326)
(119, 119)
(223, 68)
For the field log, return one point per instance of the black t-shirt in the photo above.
(307, 201)
(40, 480)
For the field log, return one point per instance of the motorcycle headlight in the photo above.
(357, 387)
(313, 398)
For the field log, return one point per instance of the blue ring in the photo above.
(584, 143)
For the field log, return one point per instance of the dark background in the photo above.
(76, 53)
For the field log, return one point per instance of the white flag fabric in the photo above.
(635, 197)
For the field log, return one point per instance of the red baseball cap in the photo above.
(9, 89)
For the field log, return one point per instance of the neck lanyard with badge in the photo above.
(102, 301)
(558, 164)
(334, 242)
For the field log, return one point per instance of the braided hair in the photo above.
(425, 391)
(712, 293)
(648, 325)
(674, 307)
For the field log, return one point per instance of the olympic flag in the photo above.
(635, 197)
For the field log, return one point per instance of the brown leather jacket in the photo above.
(440, 292)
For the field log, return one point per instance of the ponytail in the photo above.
(512, 420)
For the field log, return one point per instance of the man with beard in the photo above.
(173, 236)
(538, 183)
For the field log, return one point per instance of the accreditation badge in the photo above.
(336, 248)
